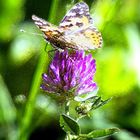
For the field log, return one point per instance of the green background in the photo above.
(25, 111)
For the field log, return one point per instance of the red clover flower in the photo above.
(70, 72)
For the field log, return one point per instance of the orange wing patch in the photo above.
(94, 36)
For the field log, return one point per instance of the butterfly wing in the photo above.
(77, 17)
(79, 29)
(47, 28)
(86, 39)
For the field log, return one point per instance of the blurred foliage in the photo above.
(118, 68)
(11, 12)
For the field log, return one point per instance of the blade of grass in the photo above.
(43, 62)
(7, 112)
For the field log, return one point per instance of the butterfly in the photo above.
(75, 31)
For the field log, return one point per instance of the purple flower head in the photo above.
(70, 73)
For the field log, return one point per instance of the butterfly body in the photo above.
(76, 30)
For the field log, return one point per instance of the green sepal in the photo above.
(69, 125)
(84, 107)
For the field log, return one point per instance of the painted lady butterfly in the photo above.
(75, 31)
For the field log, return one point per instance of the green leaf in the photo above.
(102, 133)
(69, 125)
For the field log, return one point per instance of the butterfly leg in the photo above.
(51, 52)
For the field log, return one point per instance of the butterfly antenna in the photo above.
(23, 31)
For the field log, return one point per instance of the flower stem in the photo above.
(43, 61)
